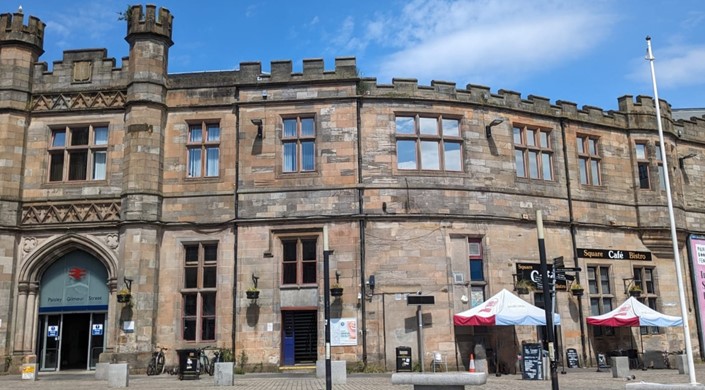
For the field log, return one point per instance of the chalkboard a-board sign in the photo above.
(572, 358)
(531, 358)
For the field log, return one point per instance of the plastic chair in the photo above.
(439, 360)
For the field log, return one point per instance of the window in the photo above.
(589, 160)
(532, 153)
(299, 261)
(203, 149)
(477, 271)
(644, 278)
(429, 143)
(600, 296)
(642, 161)
(661, 173)
(199, 291)
(78, 153)
(299, 145)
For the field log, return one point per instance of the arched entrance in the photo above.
(72, 307)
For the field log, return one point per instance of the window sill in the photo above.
(298, 287)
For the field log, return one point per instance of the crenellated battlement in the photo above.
(281, 71)
(139, 22)
(13, 30)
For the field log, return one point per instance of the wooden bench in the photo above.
(439, 380)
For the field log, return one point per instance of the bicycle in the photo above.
(156, 363)
(204, 364)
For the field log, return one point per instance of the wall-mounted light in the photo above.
(682, 159)
(258, 123)
(488, 128)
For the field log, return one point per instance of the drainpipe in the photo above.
(362, 222)
(573, 229)
(237, 214)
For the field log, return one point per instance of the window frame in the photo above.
(645, 278)
(298, 141)
(658, 158)
(200, 291)
(301, 271)
(526, 145)
(598, 277)
(203, 146)
(585, 154)
(68, 151)
(643, 169)
(420, 138)
(476, 285)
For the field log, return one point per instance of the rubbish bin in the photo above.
(188, 364)
(404, 359)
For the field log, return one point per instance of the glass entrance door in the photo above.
(97, 339)
(71, 340)
(50, 342)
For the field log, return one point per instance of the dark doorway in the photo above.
(299, 337)
(74, 341)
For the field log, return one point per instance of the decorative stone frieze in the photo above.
(71, 212)
(78, 101)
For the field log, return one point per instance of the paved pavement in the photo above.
(574, 379)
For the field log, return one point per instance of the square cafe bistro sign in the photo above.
(613, 254)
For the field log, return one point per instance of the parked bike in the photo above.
(156, 363)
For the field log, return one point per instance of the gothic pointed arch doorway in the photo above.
(72, 308)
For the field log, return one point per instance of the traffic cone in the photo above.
(471, 365)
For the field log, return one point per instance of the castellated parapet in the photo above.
(12, 30)
(148, 23)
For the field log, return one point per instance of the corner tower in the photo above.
(149, 36)
(20, 47)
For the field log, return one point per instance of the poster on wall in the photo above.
(696, 250)
(343, 331)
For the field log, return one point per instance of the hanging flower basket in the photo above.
(636, 293)
(252, 294)
(124, 296)
(523, 287)
(336, 291)
(577, 290)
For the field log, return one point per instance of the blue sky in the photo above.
(587, 52)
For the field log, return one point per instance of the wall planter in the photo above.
(577, 290)
(124, 296)
(336, 291)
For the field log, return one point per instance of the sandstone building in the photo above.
(191, 188)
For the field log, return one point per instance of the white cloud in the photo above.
(485, 40)
(675, 66)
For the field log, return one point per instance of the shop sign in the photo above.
(532, 273)
(613, 254)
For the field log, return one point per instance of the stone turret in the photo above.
(20, 47)
(13, 31)
(149, 37)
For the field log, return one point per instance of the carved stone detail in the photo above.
(78, 101)
(29, 244)
(112, 240)
(72, 212)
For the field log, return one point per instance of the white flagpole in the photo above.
(674, 237)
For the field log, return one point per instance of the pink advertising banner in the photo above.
(697, 261)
